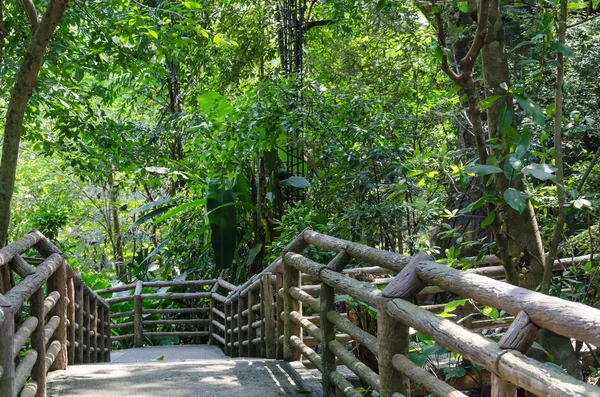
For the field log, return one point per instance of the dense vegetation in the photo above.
(172, 139)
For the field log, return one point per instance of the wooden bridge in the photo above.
(289, 313)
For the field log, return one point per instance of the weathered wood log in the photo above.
(350, 286)
(291, 279)
(218, 298)
(79, 305)
(29, 390)
(118, 288)
(23, 333)
(174, 295)
(362, 337)
(218, 325)
(50, 328)
(227, 285)
(211, 314)
(251, 334)
(233, 327)
(307, 352)
(94, 329)
(418, 375)
(20, 266)
(172, 311)
(17, 248)
(23, 291)
(299, 243)
(71, 320)
(407, 284)
(342, 338)
(279, 320)
(184, 283)
(86, 324)
(327, 335)
(358, 367)
(176, 333)
(23, 371)
(256, 308)
(50, 302)
(385, 259)
(565, 318)
(138, 328)
(58, 282)
(305, 298)
(38, 340)
(218, 312)
(52, 353)
(512, 366)
(219, 339)
(7, 363)
(122, 325)
(393, 337)
(122, 337)
(268, 315)
(227, 312)
(177, 321)
(520, 337)
(241, 322)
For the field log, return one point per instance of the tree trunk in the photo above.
(15, 114)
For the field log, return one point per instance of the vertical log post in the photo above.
(243, 352)
(268, 317)
(107, 334)
(520, 336)
(7, 336)
(70, 316)
(94, 328)
(38, 372)
(251, 334)
(291, 278)
(327, 304)
(137, 315)
(227, 311)
(278, 311)
(234, 325)
(392, 338)
(79, 309)
(86, 324)
(211, 314)
(58, 282)
(100, 341)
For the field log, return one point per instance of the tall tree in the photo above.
(26, 77)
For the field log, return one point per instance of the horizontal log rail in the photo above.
(47, 340)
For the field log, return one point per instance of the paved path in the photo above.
(177, 371)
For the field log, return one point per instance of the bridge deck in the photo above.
(176, 371)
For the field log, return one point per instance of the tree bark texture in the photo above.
(25, 80)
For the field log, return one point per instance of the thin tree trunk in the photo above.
(15, 114)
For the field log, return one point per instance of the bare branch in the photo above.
(441, 36)
(32, 14)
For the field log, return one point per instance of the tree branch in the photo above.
(312, 24)
(468, 62)
(441, 37)
(32, 14)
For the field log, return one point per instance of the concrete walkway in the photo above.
(178, 371)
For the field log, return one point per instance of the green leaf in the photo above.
(562, 48)
(179, 208)
(414, 173)
(490, 312)
(542, 172)
(215, 105)
(488, 219)
(252, 254)
(150, 215)
(516, 199)
(539, 347)
(420, 358)
(523, 144)
(159, 358)
(483, 169)
(456, 372)
(489, 101)
(152, 33)
(451, 306)
(149, 205)
(296, 181)
(532, 108)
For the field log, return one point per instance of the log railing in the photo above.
(195, 320)
(47, 320)
(274, 315)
